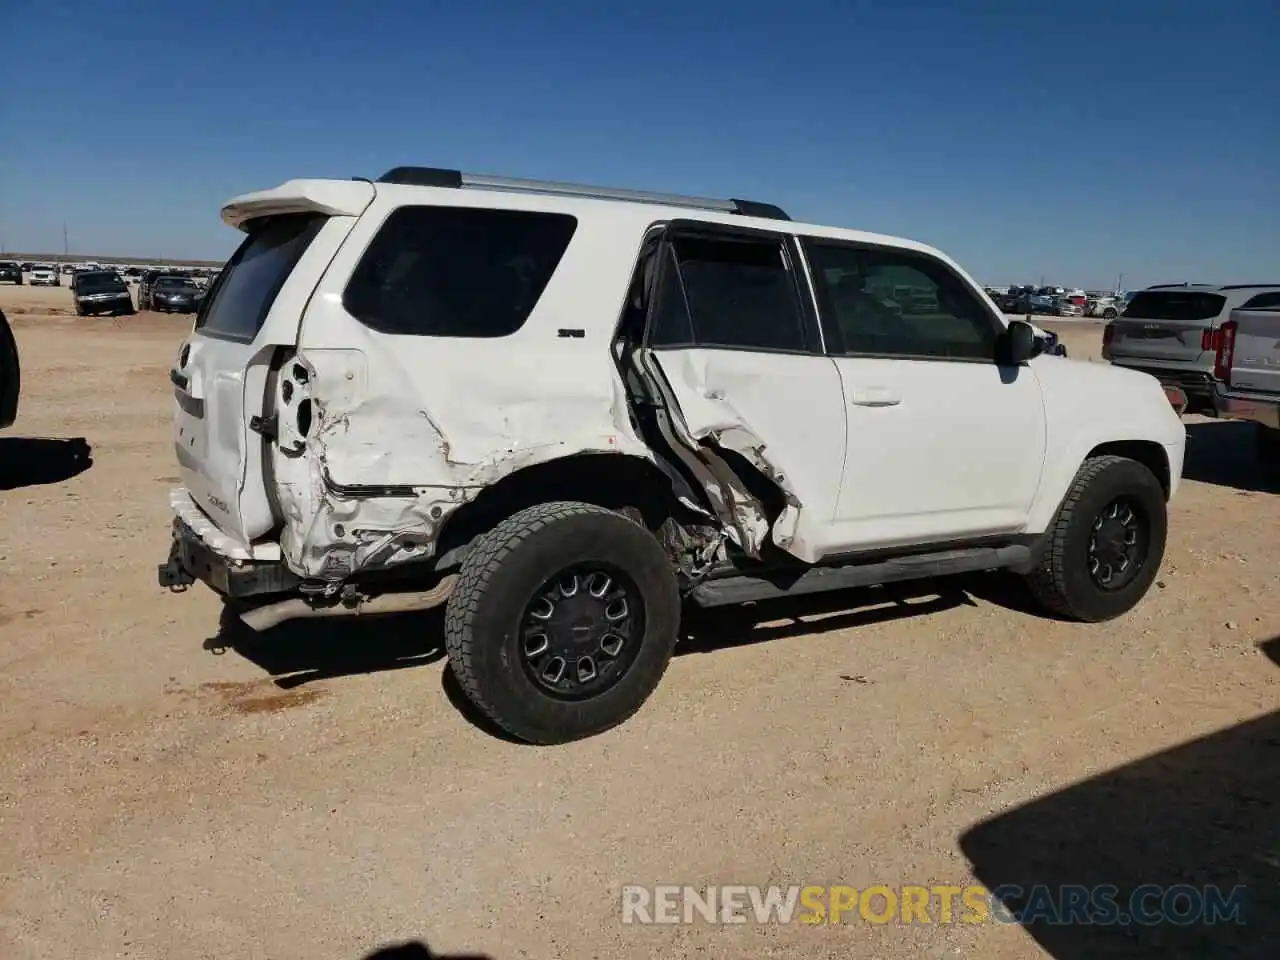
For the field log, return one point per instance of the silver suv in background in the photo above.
(1171, 331)
(1248, 370)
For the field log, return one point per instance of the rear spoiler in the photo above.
(332, 198)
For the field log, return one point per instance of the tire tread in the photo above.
(479, 567)
(1048, 581)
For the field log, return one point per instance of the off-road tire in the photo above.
(1061, 583)
(1266, 450)
(500, 576)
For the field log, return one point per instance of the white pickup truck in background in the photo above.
(1248, 370)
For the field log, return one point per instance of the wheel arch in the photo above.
(1061, 473)
(616, 481)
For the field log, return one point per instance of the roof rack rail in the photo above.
(1247, 286)
(456, 179)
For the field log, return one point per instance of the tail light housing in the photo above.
(1225, 344)
(1108, 333)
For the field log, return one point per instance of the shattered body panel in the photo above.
(378, 475)
(730, 401)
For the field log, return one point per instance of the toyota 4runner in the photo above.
(560, 410)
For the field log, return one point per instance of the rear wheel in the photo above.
(1106, 543)
(563, 621)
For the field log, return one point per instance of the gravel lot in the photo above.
(170, 787)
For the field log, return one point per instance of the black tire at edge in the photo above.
(500, 575)
(1266, 448)
(1061, 582)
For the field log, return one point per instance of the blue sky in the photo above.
(1071, 140)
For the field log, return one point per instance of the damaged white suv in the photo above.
(561, 410)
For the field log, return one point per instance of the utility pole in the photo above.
(1120, 283)
(65, 247)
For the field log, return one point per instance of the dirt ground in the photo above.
(171, 787)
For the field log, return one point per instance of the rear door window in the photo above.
(457, 271)
(1182, 306)
(252, 278)
(735, 293)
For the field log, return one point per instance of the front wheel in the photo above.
(1106, 543)
(1109, 314)
(563, 621)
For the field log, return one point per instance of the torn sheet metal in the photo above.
(367, 478)
(713, 421)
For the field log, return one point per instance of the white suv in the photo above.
(44, 275)
(562, 409)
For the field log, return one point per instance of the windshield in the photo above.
(174, 283)
(99, 283)
(1187, 306)
(248, 284)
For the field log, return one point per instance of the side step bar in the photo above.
(744, 589)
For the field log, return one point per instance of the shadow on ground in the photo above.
(302, 651)
(417, 950)
(33, 461)
(1205, 814)
(1221, 452)
(708, 630)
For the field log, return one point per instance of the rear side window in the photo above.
(1186, 306)
(252, 278)
(457, 271)
(1263, 301)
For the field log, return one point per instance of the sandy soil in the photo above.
(170, 787)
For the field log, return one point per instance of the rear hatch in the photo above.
(247, 322)
(1255, 365)
(1168, 325)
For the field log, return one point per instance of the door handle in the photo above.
(876, 397)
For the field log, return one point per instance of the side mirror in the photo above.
(1018, 343)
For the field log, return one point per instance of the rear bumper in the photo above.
(1198, 385)
(191, 559)
(113, 306)
(199, 551)
(1260, 408)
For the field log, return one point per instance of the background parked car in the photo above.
(174, 295)
(101, 291)
(45, 275)
(1103, 305)
(10, 272)
(1044, 303)
(1172, 330)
